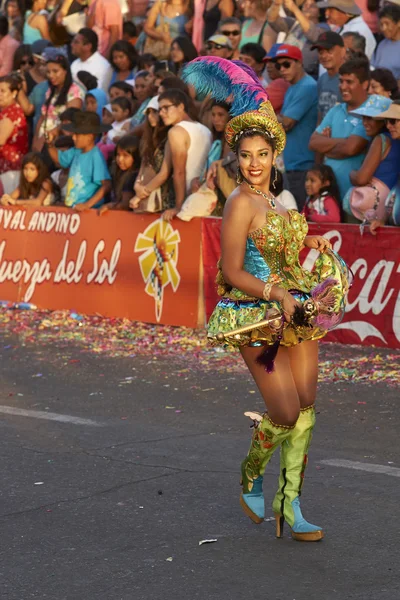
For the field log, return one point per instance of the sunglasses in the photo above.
(228, 33)
(283, 65)
(391, 121)
(27, 61)
(212, 46)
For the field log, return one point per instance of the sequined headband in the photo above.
(262, 132)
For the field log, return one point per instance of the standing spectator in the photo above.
(340, 137)
(298, 117)
(14, 11)
(384, 83)
(105, 18)
(36, 73)
(354, 42)
(331, 54)
(219, 45)
(302, 30)
(62, 93)
(189, 143)
(214, 12)
(123, 58)
(36, 26)
(8, 47)
(13, 133)
(254, 26)
(278, 87)
(84, 47)
(344, 15)
(387, 53)
(174, 14)
(253, 55)
(231, 27)
(129, 33)
(182, 51)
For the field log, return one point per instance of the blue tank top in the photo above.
(388, 170)
(30, 34)
(176, 24)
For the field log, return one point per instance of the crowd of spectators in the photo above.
(94, 112)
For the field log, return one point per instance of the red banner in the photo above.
(373, 311)
(118, 265)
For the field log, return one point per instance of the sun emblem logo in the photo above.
(158, 263)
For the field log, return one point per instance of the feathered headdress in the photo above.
(234, 82)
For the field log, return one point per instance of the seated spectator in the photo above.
(302, 30)
(214, 11)
(392, 205)
(322, 203)
(165, 22)
(36, 26)
(35, 187)
(344, 16)
(123, 58)
(331, 55)
(8, 46)
(95, 101)
(14, 11)
(143, 91)
(105, 18)
(156, 161)
(340, 137)
(231, 27)
(121, 88)
(298, 117)
(129, 33)
(254, 26)
(253, 55)
(87, 58)
(384, 83)
(387, 54)
(146, 62)
(182, 52)
(277, 87)
(124, 173)
(107, 116)
(13, 133)
(381, 166)
(218, 45)
(62, 93)
(189, 144)
(354, 42)
(89, 179)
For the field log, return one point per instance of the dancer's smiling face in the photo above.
(256, 157)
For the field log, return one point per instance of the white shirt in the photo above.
(359, 25)
(98, 66)
(200, 144)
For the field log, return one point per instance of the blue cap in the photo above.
(272, 52)
(373, 106)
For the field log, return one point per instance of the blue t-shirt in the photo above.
(343, 125)
(301, 104)
(387, 55)
(87, 170)
(328, 93)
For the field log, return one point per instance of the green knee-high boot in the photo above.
(267, 437)
(286, 504)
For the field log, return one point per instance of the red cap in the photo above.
(288, 51)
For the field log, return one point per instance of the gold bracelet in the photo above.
(267, 291)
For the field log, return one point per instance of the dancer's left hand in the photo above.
(317, 242)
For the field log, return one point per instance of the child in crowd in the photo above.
(95, 101)
(35, 186)
(107, 116)
(121, 111)
(143, 94)
(60, 177)
(124, 173)
(322, 204)
(119, 89)
(89, 179)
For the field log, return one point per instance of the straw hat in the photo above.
(346, 6)
(393, 112)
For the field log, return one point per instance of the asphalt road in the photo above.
(112, 502)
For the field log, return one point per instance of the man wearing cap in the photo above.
(298, 117)
(8, 47)
(341, 137)
(278, 87)
(84, 48)
(331, 54)
(344, 15)
(219, 45)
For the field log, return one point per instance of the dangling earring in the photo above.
(275, 179)
(239, 177)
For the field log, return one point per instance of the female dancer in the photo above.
(260, 277)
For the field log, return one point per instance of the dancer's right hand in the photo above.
(288, 304)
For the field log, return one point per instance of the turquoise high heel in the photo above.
(253, 502)
(302, 530)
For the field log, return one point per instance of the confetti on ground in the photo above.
(121, 338)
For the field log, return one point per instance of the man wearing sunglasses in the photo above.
(231, 28)
(219, 45)
(298, 117)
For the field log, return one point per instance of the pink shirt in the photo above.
(106, 13)
(8, 47)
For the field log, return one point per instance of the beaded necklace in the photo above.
(268, 197)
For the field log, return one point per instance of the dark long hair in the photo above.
(21, 51)
(129, 144)
(62, 97)
(326, 173)
(219, 135)
(26, 189)
(126, 48)
(153, 138)
(187, 47)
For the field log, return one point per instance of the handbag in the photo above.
(154, 202)
(158, 48)
(367, 202)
